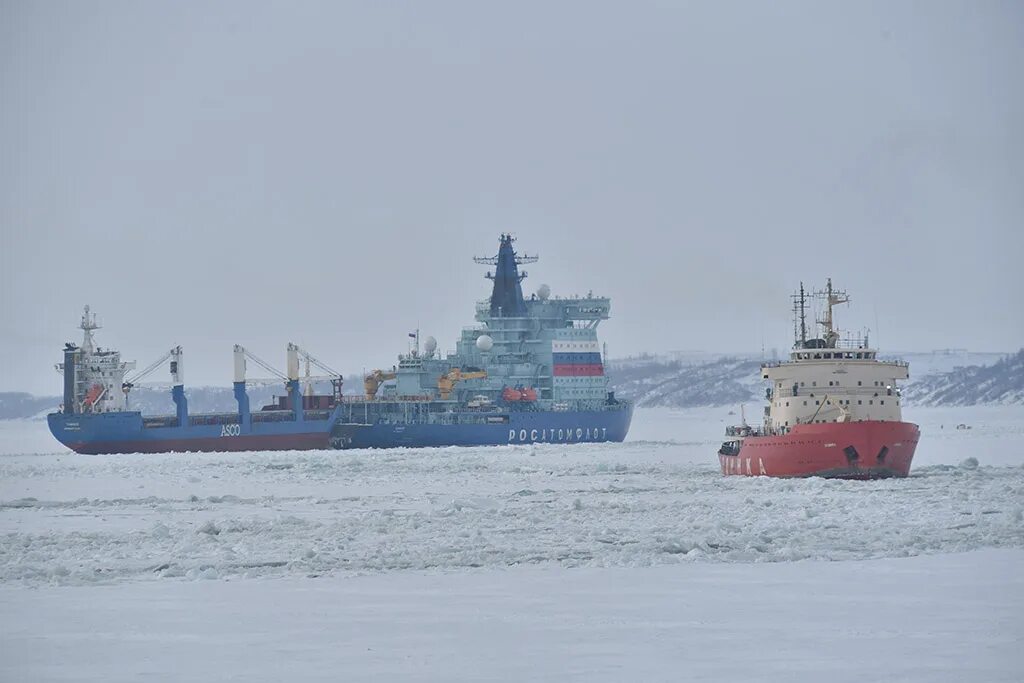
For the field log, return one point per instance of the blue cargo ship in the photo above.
(530, 371)
(95, 416)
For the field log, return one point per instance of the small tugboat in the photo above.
(834, 409)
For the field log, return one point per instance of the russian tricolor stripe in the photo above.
(579, 370)
(584, 358)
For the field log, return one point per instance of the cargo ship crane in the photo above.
(177, 381)
(336, 378)
(372, 382)
(446, 382)
(174, 354)
(260, 362)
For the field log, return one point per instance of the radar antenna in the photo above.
(493, 260)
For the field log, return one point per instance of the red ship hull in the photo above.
(843, 450)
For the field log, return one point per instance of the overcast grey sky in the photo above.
(205, 174)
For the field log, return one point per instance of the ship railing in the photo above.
(214, 419)
(157, 421)
(273, 416)
(747, 430)
(847, 356)
(836, 391)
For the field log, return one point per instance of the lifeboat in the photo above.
(93, 395)
(516, 394)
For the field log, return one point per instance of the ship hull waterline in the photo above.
(850, 450)
(124, 433)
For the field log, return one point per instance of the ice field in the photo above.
(634, 561)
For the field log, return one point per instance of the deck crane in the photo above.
(446, 382)
(333, 376)
(372, 382)
(241, 351)
(177, 373)
(245, 415)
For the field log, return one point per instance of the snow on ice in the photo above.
(587, 556)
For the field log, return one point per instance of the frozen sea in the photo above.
(634, 561)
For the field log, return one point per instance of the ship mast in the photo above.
(87, 326)
(507, 295)
(832, 298)
(800, 318)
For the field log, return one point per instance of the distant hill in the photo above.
(680, 384)
(17, 404)
(1001, 382)
(944, 377)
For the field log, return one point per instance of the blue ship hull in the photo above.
(128, 432)
(526, 427)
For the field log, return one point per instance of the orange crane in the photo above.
(373, 381)
(447, 381)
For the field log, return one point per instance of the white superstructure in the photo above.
(95, 375)
(829, 379)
